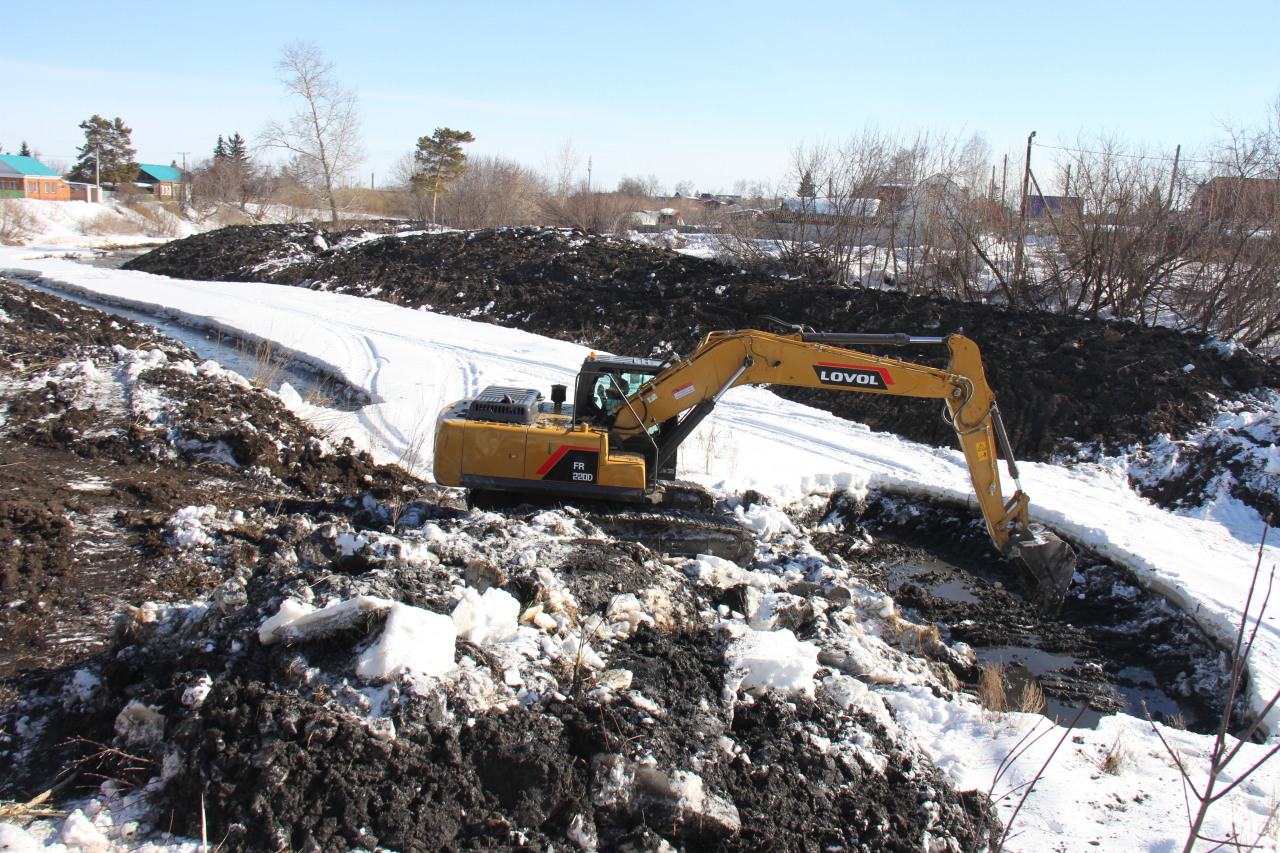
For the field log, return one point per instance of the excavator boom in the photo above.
(616, 443)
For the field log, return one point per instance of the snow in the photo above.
(412, 363)
(491, 617)
(412, 639)
(772, 660)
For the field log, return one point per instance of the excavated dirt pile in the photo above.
(1062, 382)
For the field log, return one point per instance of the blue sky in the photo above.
(709, 92)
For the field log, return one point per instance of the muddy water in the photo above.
(1027, 668)
(250, 359)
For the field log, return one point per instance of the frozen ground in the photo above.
(413, 362)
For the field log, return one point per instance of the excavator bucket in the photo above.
(1048, 565)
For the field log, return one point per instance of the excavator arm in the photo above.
(683, 394)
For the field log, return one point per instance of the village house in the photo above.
(1247, 199)
(27, 177)
(166, 183)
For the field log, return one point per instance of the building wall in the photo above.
(170, 191)
(89, 193)
(41, 187)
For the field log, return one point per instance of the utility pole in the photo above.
(97, 172)
(371, 174)
(1067, 191)
(1004, 178)
(1022, 222)
(588, 174)
(1177, 152)
(184, 160)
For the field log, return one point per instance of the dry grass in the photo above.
(1112, 761)
(17, 224)
(1031, 700)
(991, 692)
(226, 214)
(156, 219)
(107, 222)
(267, 367)
(714, 449)
(30, 810)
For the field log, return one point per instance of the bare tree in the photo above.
(641, 187)
(493, 192)
(324, 134)
(562, 166)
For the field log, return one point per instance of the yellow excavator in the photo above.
(618, 439)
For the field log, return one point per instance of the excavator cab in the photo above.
(605, 383)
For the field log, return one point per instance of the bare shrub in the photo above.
(17, 223)
(880, 207)
(1224, 772)
(155, 220)
(596, 213)
(105, 223)
(493, 192)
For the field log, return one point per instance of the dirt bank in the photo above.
(1061, 381)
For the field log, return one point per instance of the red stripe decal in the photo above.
(559, 454)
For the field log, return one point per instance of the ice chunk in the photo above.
(79, 834)
(413, 639)
(350, 543)
(314, 624)
(14, 839)
(773, 660)
(492, 617)
(845, 690)
(290, 611)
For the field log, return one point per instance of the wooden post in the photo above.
(1177, 153)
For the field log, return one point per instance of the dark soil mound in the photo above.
(86, 488)
(1061, 381)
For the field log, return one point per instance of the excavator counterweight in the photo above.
(619, 437)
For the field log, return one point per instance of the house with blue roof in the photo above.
(27, 177)
(166, 183)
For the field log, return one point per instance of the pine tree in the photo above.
(807, 189)
(440, 162)
(220, 150)
(24, 151)
(236, 148)
(110, 141)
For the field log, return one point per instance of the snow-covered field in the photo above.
(413, 362)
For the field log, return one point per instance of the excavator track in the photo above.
(683, 525)
(679, 533)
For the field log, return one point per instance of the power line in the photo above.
(1130, 156)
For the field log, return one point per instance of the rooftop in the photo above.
(16, 164)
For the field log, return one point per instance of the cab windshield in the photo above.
(611, 389)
